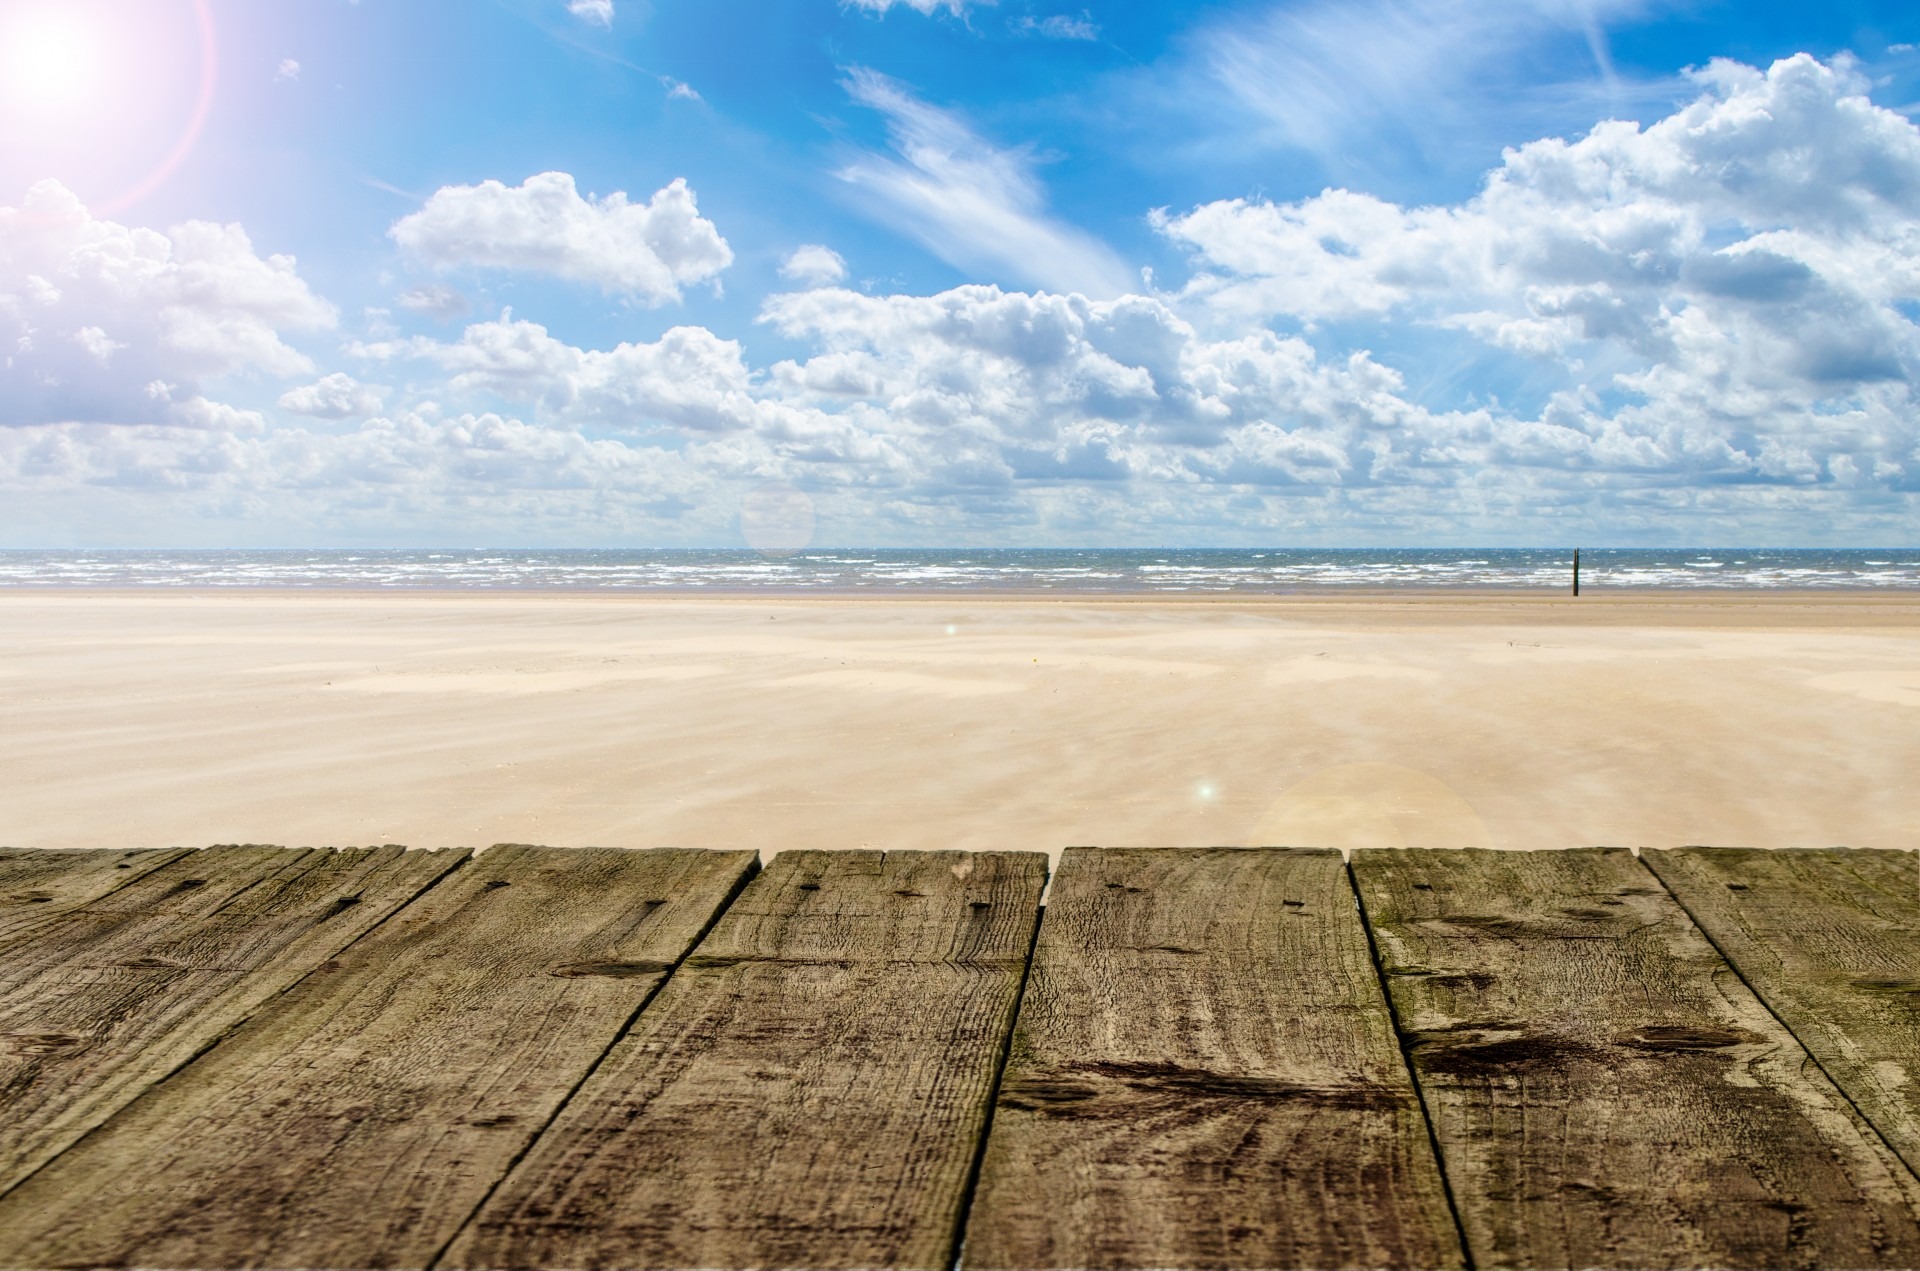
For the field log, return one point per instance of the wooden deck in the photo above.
(1225, 1058)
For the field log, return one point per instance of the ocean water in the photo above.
(1036, 570)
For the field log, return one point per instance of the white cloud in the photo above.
(679, 90)
(94, 315)
(288, 69)
(1770, 227)
(975, 206)
(598, 12)
(689, 379)
(645, 251)
(1721, 294)
(813, 265)
(956, 7)
(336, 396)
(1056, 27)
(412, 475)
(1718, 306)
(435, 301)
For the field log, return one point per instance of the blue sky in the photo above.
(550, 272)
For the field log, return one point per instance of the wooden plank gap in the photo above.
(972, 1186)
(808, 1092)
(1813, 1053)
(358, 1122)
(740, 885)
(37, 884)
(1607, 1091)
(1829, 941)
(113, 995)
(1204, 1074)
(265, 1005)
(1405, 1039)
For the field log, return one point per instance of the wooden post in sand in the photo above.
(1576, 571)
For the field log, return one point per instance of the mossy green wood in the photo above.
(1831, 941)
(109, 996)
(360, 1118)
(808, 1090)
(37, 883)
(1205, 1074)
(1604, 1090)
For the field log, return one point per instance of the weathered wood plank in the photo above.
(1604, 1090)
(36, 883)
(114, 994)
(1831, 941)
(1205, 1074)
(809, 1088)
(359, 1119)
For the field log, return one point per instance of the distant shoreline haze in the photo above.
(956, 570)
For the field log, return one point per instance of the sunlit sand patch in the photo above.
(1370, 805)
(1321, 670)
(1899, 687)
(898, 682)
(514, 683)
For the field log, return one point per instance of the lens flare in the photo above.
(109, 97)
(52, 61)
(202, 107)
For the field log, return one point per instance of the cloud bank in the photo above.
(1717, 311)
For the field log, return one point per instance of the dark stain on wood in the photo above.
(361, 1117)
(1205, 1075)
(1830, 939)
(1614, 1095)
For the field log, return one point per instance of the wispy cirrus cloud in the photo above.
(956, 7)
(1340, 77)
(1058, 26)
(975, 205)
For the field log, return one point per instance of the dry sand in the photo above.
(431, 719)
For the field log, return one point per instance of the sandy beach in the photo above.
(141, 719)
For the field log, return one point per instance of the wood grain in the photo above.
(359, 1119)
(1831, 942)
(808, 1090)
(36, 883)
(112, 995)
(1205, 1074)
(1604, 1090)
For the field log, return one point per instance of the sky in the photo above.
(659, 273)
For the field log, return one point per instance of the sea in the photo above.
(999, 570)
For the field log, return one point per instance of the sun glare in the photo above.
(52, 60)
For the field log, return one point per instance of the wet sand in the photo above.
(1512, 721)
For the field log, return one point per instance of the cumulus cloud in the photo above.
(1741, 263)
(974, 205)
(689, 379)
(1719, 306)
(644, 251)
(336, 396)
(288, 69)
(412, 474)
(598, 12)
(107, 324)
(812, 265)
